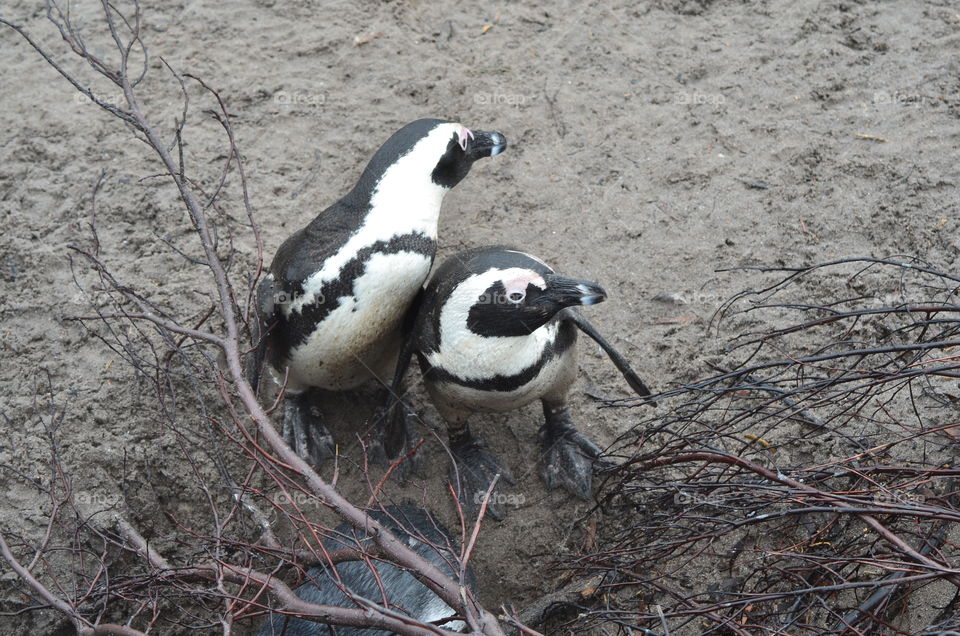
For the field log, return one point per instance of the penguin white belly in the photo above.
(554, 379)
(360, 339)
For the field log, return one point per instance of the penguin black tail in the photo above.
(618, 360)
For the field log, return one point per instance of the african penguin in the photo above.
(333, 302)
(496, 329)
(426, 536)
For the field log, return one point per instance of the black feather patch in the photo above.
(294, 330)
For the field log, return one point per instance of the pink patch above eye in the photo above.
(520, 284)
(462, 136)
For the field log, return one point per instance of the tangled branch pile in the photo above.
(810, 486)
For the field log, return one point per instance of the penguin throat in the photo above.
(407, 206)
(406, 196)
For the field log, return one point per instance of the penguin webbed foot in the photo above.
(568, 456)
(304, 431)
(476, 469)
(396, 432)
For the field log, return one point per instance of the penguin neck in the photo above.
(403, 198)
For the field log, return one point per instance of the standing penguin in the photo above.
(496, 329)
(425, 536)
(333, 303)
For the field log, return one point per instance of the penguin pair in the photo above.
(332, 306)
(496, 329)
(354, 582)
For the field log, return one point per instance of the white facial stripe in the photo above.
(405, 200)
(474, 357)
(435, 608)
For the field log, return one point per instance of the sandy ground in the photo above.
(636, 132)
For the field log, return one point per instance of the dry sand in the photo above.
(636, 130)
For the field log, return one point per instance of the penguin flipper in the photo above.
(395, 433)
(395, 429)
(260, 330)
(618, 360)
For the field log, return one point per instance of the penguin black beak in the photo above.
(486, 144)
(567, 292)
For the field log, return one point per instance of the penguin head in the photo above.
(463, 147)
(518, 301)
(427, 155)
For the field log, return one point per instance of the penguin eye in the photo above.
(516, 297)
